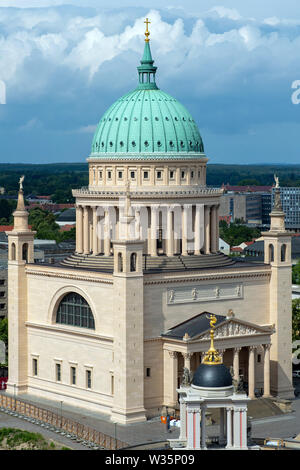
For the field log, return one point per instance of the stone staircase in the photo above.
(151, 264)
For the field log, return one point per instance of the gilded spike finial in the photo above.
(147, 34)
(212, 356)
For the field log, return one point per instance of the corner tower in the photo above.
(20, 252)
(277, 253)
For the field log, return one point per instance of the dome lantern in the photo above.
(147, 70)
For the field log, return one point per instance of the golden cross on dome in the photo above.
(212, 356)
(147, 34)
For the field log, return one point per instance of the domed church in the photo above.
(112, 327)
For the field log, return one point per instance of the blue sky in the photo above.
(232, 64)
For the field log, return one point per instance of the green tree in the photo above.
(235, 234)
(296, 273)
(296, 319)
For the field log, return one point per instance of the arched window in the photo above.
(120, 262)
(271, 253)
(283, 252)
(74, 310)
(133, 262)
(13, 252)
(25, 252)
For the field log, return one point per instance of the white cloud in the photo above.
(223, 12)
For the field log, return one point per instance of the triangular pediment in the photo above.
(234, 328)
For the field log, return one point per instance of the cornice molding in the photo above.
(207, 277)
(64, 275)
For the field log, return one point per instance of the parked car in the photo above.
(296, 373)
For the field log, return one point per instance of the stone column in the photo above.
(207, 229)
(217, 227)
(213, 221)
(203, 428)
(184, 232)
(170, 233)
(197, 246)
(183, 421)
(236, 363)
(154, 227)
(137, 224)
(79, 227)
(222, 422)
(236, 428)
(187, 360)
(267, 392)
(170, 377)
(86, 242)
(229, 427)
(106, 234)
(251, 372)
(95, 234)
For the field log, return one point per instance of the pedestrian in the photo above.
(168, 423)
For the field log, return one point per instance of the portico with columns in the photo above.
(243, 346)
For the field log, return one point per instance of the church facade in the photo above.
(112, 327)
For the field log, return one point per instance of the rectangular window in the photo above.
(171, 175)
(183, 174)
(132, 175)
(2, 281)
(159, 175)
(146, 175)
(73, 375)
(100, 175)
(88, 379)
(35, 366)
(148, 372)
(120, 175)
(112, 385)
(58, 372)
(192, 174)
(109, 175)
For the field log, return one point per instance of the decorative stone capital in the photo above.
(267, 347)
(187, 356)
(173, 354)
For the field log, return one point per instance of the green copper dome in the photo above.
(147, 120)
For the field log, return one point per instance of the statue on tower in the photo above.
(277, 200)
(21, 182)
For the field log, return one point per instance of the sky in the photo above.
(234, 65)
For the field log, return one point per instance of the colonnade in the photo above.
(233, 424)
(171, 229)
(171, 370)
